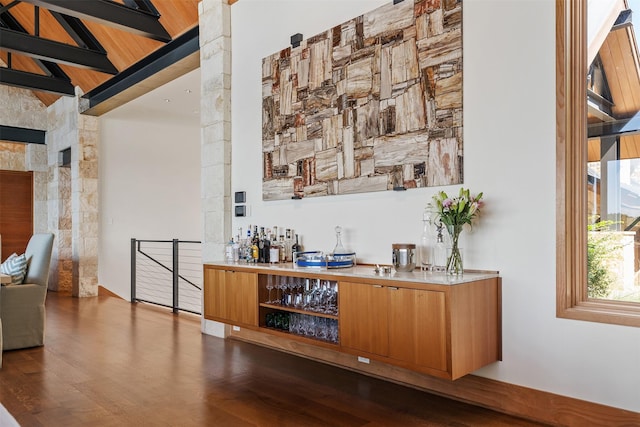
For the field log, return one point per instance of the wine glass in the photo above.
(281, 285)
(270, 287)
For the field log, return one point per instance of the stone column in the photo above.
(215, 119)
(73, 198)
(215, 134)
(84, 207)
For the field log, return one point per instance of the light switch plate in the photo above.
(240, 196)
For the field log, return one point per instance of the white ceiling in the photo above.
(176, 100)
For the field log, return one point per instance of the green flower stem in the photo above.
(454, 260)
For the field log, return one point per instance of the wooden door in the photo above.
(364, 317)
(417, 327)
(16, 211)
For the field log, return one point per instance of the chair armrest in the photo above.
(25, 294)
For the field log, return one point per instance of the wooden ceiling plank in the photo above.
(624, 101)
(111, 14)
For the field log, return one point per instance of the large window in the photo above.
(598, 162)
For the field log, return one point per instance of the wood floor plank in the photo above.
(109, 363)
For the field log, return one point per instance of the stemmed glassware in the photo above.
(320, 296)
(311, 295)
(270, 287)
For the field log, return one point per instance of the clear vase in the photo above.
(454, 256)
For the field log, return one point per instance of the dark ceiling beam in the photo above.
(39, 48)
(145, 5)
(169, 54)
(39, 82)
(7, 20)
(78, 31)
(16, 134)
(110, 13)
(626, 127)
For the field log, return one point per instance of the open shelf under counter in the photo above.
(298, 310)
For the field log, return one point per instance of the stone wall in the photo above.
(12, 156)
(73, 197)
(20, 108)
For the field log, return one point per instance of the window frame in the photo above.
(571, 176)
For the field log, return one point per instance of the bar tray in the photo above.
(318, 259)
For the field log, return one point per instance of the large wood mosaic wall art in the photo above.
(373, 104)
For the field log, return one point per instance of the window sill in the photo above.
(615, 313)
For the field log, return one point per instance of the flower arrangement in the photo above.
(454, 213)
(457, 210)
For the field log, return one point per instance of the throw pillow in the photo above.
(16, 267)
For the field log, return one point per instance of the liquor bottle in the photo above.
(236, 251)
(288, 242)
(296, 247)
(283, 255)
(248, 257)
(261, 247)
(266, 247)
(274, 252)
(228, 251)
(424, 249)
(439, 250)
(255, 252)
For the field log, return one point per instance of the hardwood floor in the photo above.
(109, 363)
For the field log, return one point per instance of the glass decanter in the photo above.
(339, 249)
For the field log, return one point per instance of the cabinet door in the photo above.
(231, 297)
(241, 297)
(417, 327)
(364, 317)
(213, 293)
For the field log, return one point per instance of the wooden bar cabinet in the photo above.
(425, 322)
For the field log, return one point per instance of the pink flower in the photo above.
(447, 203)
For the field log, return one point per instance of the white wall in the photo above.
(149, 181)
(509, 153)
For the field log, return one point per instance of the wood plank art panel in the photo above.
(372, 104)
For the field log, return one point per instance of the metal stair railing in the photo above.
(167, 273)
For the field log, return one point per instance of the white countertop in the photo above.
(364, 271)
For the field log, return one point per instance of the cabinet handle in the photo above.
(378, 286)
(393, 288)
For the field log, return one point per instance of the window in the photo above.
(597, 164)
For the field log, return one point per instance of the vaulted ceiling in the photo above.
(50, 46)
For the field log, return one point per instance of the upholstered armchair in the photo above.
(22, 313)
